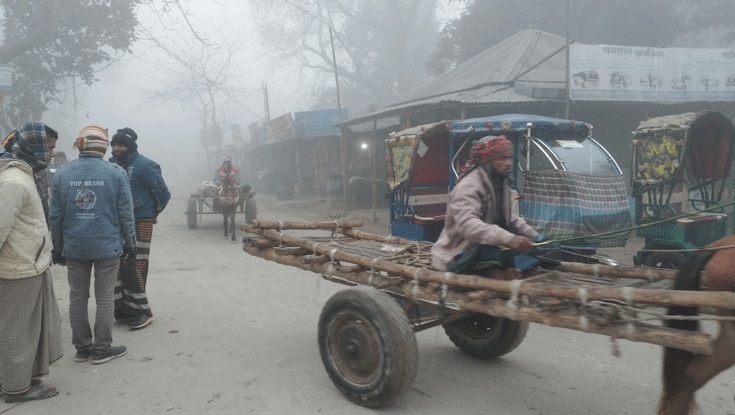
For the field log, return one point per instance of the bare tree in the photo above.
(380, 45)
(204, 78)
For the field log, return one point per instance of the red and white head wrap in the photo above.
(92, 141)
(487, 149)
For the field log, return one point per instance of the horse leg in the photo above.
(224, 220)
(232, 222)
(695, 372)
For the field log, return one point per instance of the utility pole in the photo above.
(568, 76)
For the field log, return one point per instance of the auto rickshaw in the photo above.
(569, 186)
(680, 166)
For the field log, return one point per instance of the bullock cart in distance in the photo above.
(206, 201)
(365, 332)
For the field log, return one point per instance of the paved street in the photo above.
(236, 334)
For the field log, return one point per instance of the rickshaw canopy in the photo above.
(677, 147)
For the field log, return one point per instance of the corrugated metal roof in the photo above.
(501, 64)
(530, 56)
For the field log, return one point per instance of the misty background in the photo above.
(170, 68)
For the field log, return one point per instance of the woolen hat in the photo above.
(92, 141)
(127, 137)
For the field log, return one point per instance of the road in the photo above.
(236, 334)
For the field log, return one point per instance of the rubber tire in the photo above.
(667, 260)
(486, 337)
(367, 346)
(191, 213)
(251, 210)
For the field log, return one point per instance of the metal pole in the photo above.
(567, 112)
(343, 131)
(374, 174)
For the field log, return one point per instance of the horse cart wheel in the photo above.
(191, 213)
(486, 337)
(669, 260)
(251, 210)
(367, 346)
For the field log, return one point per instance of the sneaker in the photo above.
(140, 321)
(112, 352)
(83, 354)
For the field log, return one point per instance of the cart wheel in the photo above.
(251, 210)
(191, 213)
(670, 260)
(486, 337)
(367, 346)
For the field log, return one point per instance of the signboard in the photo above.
(318, 123)
(630, 73)
(258, 132)
(6, 78)
(283, 128)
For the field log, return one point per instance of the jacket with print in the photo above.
(91, 209)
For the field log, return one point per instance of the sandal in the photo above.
(34, 382)
(34, 393)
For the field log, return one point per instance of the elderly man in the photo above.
(481, 233)
(29, 316)
(150, 197)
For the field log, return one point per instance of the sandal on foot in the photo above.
(35, 393)
(34, 381)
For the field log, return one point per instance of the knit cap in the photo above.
(92, 141)
(127, 137)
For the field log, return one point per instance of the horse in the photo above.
(229, 197)
(685, 372)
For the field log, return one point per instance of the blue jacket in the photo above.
(150, 194)
(91, 211)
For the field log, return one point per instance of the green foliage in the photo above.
(52, 42)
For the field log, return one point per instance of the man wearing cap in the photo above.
(227, 170)
(481, 235)
(92, 227)
(29, 316)
(150, 197)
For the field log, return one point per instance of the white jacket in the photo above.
(25, 244)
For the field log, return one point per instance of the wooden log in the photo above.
(622, 271)
(696, 342)
(314, 259)
(719, 300)
(260, 242)
(286, 225)
(293, 251)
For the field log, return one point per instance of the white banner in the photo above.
(631, 73)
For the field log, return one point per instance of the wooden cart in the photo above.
(365, 332)
(205, 201)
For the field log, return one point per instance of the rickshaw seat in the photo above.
(429, 207)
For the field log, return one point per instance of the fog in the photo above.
(169, 132)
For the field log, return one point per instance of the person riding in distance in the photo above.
(480, 233)
(227, 170)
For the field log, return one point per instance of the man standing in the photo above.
(41, 178)
(91, 217)
(479, 223)
(29, 316)
(150, 196)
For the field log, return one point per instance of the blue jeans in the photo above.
(105, 276)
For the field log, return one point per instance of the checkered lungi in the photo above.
(31, 330)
